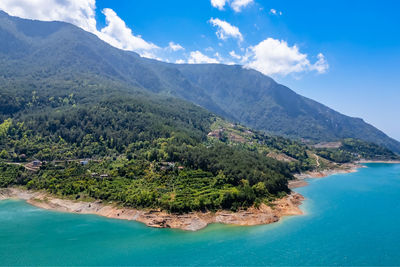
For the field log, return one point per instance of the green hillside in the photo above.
(142, 152)
(152, 152)
(35, 54)
(258, 101)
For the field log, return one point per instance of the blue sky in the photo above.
(344, 54)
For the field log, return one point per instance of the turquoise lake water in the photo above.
(351, 219)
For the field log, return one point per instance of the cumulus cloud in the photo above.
(220, 4)
(197, 57)
(175, 47)
(273, 56)
(81, 13)
(238, 5)
(226, 30)
(119, 35)
(78, 12)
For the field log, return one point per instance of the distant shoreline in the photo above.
(192, 221)
(378, 161)
(300, 180)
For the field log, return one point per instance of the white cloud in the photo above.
(175, 47)
(119, 35)
(321, 66)
(226, 30)
(197, 57)
(219, 57)
(81, 13)
(78, 12)
(273, 56)
(275, 12)
(238, 5)
(234, 55)
(230, 63)
(180, 61)
(220, 4)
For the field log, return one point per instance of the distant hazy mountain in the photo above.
(56, 58)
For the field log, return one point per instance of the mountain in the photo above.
(258, 101)
(83, 120)
(34, 54)
(76, 126)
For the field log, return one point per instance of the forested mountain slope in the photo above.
(61, 58)
(258, 101)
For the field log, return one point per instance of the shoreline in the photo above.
(193, 221)
(363, 161)
(300, 180)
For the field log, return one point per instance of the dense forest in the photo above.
(152, 152)
(142, 152)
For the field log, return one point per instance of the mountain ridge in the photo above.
(59, 49)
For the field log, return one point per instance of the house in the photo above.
(167, 165)
(36, 163)
(216, 133)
